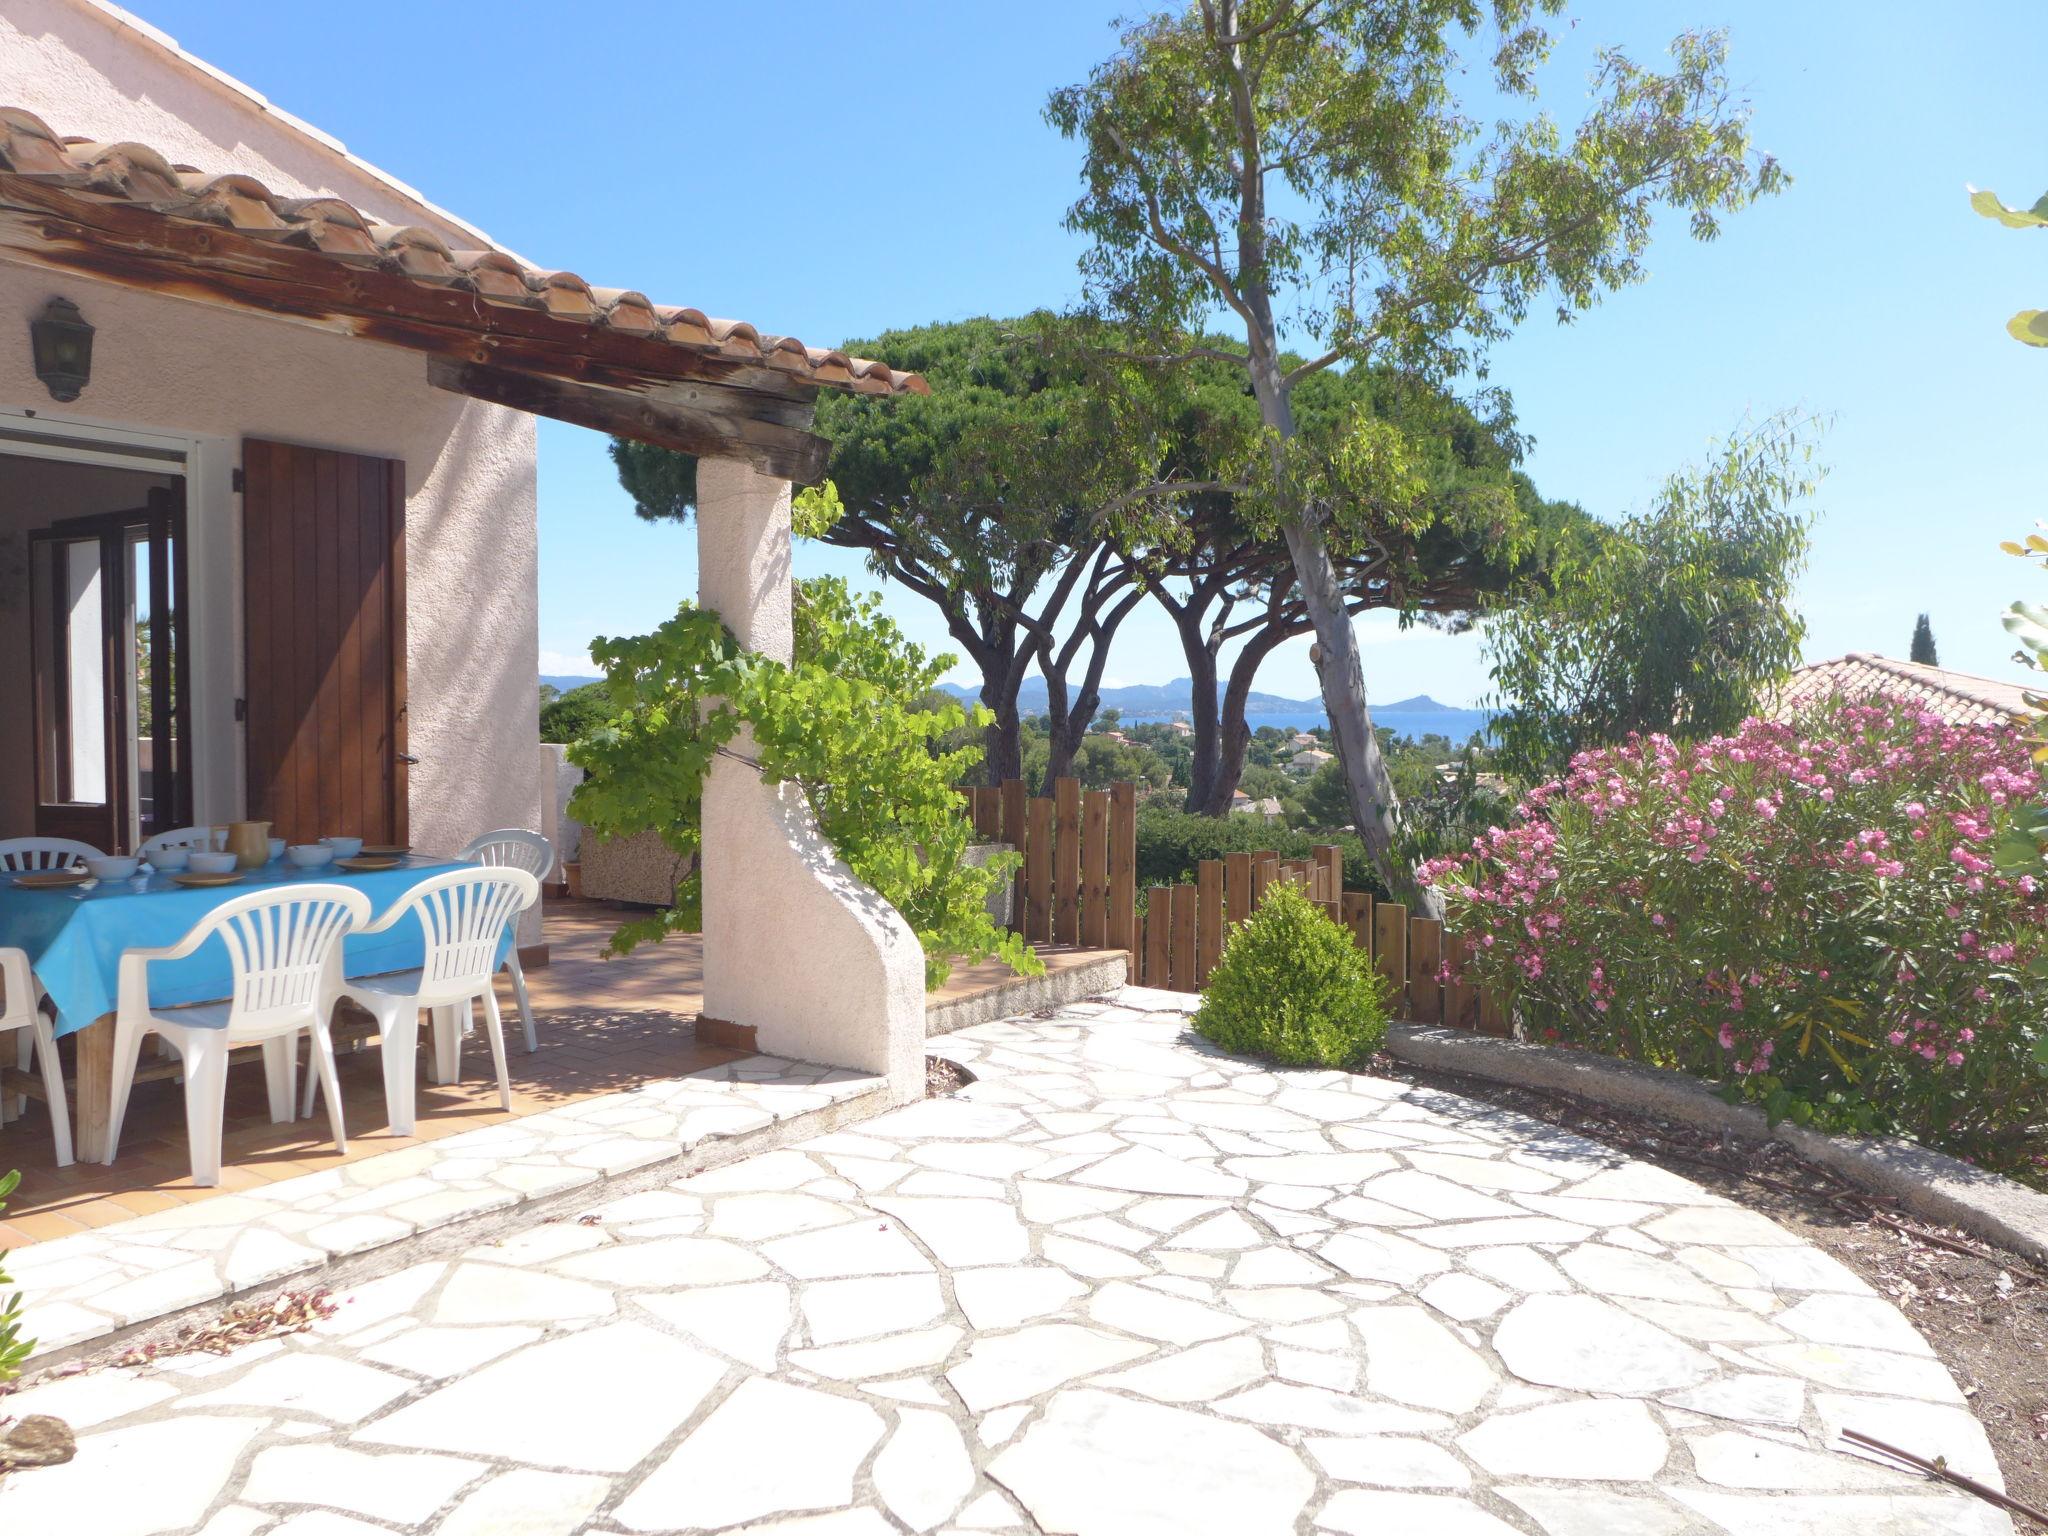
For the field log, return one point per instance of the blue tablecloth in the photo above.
(74, 935)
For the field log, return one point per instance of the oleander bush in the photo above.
(1809, 913)
(1293, 986)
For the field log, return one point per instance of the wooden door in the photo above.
(323, 560)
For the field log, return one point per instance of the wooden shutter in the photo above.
(323, 556)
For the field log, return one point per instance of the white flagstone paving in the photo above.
(83, 1287)
(1120, 1285)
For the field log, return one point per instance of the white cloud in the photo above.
(567, 664)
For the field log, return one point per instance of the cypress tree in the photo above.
(1923, 643)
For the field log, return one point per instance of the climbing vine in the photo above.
(855, 721)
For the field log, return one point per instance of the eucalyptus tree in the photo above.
(1304, 168)
(1475, 531)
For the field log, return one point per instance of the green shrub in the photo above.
(1293, 986)
(1808, 912)
(1171, 842)
(573, 715)
(13, 1347)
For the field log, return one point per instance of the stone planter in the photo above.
(641, 869)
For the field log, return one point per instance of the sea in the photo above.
(1460, 725)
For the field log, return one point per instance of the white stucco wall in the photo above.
(795, 944)
(213, 377)
(93, 69)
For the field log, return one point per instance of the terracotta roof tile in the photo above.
(140, 175)
(1959, 698)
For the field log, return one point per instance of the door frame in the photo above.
(212, 575)
(164, 533)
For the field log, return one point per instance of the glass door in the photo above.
(109, 669)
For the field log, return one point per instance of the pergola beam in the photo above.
(776, 448)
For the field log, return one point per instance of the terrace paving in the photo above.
(1121, 1284)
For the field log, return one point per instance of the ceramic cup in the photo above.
(344, 847)
(276, 849)
(309, 855)
(170, 861)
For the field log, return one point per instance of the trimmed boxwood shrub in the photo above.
(1293, 986)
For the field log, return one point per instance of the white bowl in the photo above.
(206, 862)
(277, 846)
(309, 855)
(107, 866)
(170, 861)
(344, 847)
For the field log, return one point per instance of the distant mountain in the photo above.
(565, 684)
(1178, 696)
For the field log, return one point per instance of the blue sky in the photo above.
(829, 171)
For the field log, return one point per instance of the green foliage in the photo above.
(1922, 649)
(573, 715)
(14, 1349)
(1808, 912)
(2024, 849)
(1293, 986)
(2029, 325)
(1172, 842)
(854, 722)
(1677, 621)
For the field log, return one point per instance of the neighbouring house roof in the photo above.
(1959, 698)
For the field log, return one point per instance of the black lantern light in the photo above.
(63, 349)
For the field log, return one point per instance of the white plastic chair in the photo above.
(284, 946)
(515, 848)
(31, 853)
(206, 839)
(462, 915)
(21, 1010)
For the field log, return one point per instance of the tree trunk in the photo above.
(1375, 806)
(1234, 733)
(1003, 749)
(1205, 743)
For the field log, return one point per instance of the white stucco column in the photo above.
(795, 944)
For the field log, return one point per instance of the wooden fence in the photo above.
(1079, 886)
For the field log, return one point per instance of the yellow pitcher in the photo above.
(249, 842)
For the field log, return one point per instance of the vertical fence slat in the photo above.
(1182, 953)
(1237, 888)
(1038, 872)
(988, 811)
(1015, 800)
(1329, 862)
(1425, 960)
(1095, 868)
(1493, 1014)
(1208, 917)
(1461, 999)
(1066, 861)
(1390, 950)
(1123, 871)
(1265, 870)
(1358, 918)
(1158, 934)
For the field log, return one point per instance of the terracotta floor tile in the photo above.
(41, 1226)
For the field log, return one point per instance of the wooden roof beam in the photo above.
(662, 418)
